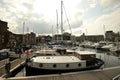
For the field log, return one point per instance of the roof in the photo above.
(69, 50)
(82, 52)
(56, 59)
(4, 50)
(85, 52)
(46, 51)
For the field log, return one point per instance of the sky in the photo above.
(92, 17)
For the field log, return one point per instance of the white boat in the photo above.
(107, 47)
(100, 45)
(115, 49)
(70, 62)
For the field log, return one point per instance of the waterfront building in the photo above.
(4, 34)
(43, 39)
(111, 36)
(65, 37)
(29, 39)
(92, 38)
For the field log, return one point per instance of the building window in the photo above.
(79, 64)
(40, 65)
(54, 65)
(67, 65)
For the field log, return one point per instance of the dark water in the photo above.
(110, 59)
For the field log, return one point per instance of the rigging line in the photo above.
(67, 19)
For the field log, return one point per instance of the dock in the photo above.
(112, 73)
(14, 64)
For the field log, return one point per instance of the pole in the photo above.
(23, 31)
(86, 33)
(104, 31)
(57, 23)
(57, 20)
(61, 20)
(52, 30)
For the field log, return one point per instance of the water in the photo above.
(110, 59)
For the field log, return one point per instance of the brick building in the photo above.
(29, 38)
(4, 34)
(92, 38)
(66, 37)
(112, 36)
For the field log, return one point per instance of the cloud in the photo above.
(107, 2)
(112, 17)
(93, 3)
(110, 20)
(96, 26)
(41, 15)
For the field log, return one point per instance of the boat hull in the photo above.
(118, 51)
(30, 71)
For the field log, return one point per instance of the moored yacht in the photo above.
(69, 62)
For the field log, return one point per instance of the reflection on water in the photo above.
(110, 59)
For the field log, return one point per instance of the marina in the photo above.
(110, 62)
(39, 43)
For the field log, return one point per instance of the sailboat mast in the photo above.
(61, 20)
(57, 20)
(57, 23)
(104, 31)
(23, 32)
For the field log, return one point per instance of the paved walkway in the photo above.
(105, 74)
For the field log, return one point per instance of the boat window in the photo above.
(54, 65)
(67, 65)
(48, 54)
(79, 64)
(47, 57)
(40, 65)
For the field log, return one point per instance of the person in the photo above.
(26, 53)
(20, 52)
(7, 68)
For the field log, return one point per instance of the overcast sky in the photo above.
(85, 16)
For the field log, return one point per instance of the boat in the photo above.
(4, 54)
(107, 47)
(100, 45)
(115, 49)
(71, 61)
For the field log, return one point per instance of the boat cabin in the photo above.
(46, 53)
